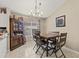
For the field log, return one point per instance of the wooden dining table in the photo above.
(48, 36)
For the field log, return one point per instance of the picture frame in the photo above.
(60, 21)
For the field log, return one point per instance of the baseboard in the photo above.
(71, 50)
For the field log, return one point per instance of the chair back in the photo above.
(52, 39)
(37, 33)
(63, 37)
(34, 37)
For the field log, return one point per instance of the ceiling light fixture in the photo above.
(36, 11)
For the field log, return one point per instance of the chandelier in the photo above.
(36, 11)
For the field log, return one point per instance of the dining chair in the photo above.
(61, 41)
(36, 33)
(38, 41)
(34, 38)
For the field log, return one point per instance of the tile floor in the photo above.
(26, 51)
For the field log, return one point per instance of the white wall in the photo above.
(71, 10)
(42, 25)
(3, 20)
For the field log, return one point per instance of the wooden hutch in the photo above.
(17, 37)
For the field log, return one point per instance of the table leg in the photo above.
(47, 48)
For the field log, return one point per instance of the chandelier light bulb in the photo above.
(38, 11)
(33, 14)
(31, 10)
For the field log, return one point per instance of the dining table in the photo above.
(48, 36)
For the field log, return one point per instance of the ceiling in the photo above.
(24, 6)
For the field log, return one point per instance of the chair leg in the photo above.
(42, 53)
(37, 49)
(62, 53)
(52, 53)
(56, 55)
(34, 46)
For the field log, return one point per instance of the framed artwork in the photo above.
(60, 21)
